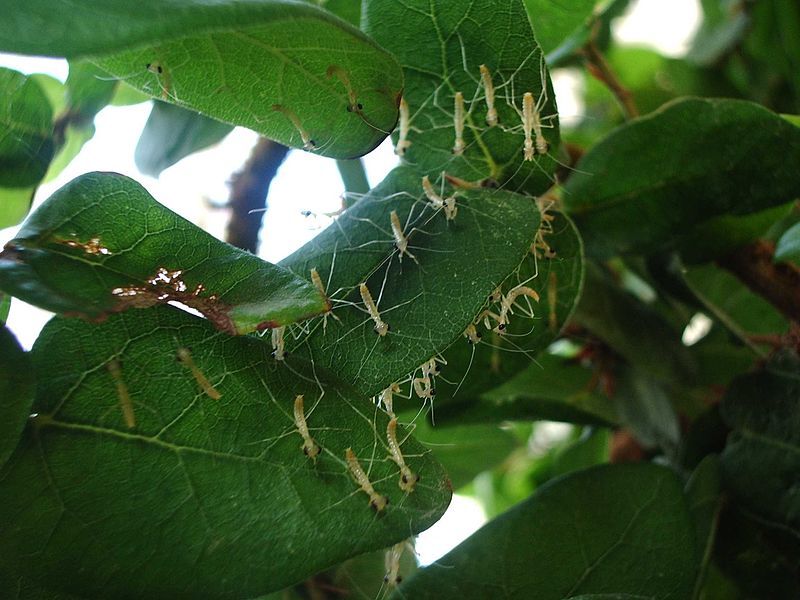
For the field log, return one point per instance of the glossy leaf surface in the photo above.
(427, 304)
(713, 157)
(441, 45)
(609, 529)
(194, 468)
(102, 244)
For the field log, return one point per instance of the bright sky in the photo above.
(185, 188)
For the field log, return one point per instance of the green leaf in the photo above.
(101, 244)
(704, 494)
(466, 450)
(609, 529)
(26, 143)
(354, 178)
(349, 10)
(16, 392)
(556, 274)
(645, 407)
(552, 389)
(721, 29)
(426, 304)
(233, 61)
(5, 306)
(755, 557)
(21, 588)
(762, 458)
(788, 247)
(733, 302)
(86, 92)
(441, 45)
(555, 21)
(14, 205)
(722, 235)
(214, 494)
(632, 328)
(713, 157)
(172, 133)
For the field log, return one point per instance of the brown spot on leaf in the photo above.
(168, 286)
(93, 246)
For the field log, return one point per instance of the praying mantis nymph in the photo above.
(377, 502)
(392, 564)
(353, 104)
(308, 143)
(278, 350)
(317, 281)
(472, 334)
(380, 326)
(488, 86)
(400, 239)
(404, 126)
(458, 124)
(387, 398)
(122, 392)
(532, 127)
(438, 202)
(408, 479)
(185, 357)
(310, 448)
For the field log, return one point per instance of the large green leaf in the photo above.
(441, 45)
(26, 143)
(172, 133)
(138, 479)
(712, 157)
(101, 244)
(257, 63)
(16, 392)
(609, 529)
(762, 458)
(427, 304)
(557, 276)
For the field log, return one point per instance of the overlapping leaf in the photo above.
(555, 273)
(263, 64)
(101, 244)
(427, 304)
(604, 530)
(145, 476)
(16, 392)
(762, 458)
(26, 143)
(441, 45)
(712, 157)
(172, 133)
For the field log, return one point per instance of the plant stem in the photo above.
(249, 189)
(777, 283)
(598, 67)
